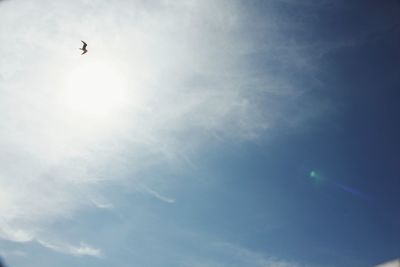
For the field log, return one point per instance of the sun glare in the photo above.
(95, 90)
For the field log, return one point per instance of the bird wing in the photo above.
(84, 44)
(84, 52)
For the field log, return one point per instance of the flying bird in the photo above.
(84, 51)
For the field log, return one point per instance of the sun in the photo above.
(94, 89)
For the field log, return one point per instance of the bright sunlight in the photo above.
(95, 90)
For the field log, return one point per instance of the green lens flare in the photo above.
(313, 174)
(316, 177)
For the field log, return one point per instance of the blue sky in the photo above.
(199, 133)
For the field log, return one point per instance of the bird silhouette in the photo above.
(84, 51)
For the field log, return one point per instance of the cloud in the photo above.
(12, 234)
(188, 77)
(101, 203)
(394, 263)
(229, 254)
(158, 195)
(81, 250)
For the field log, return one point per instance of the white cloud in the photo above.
(395, 263)
(14, 234)
(102, 205)
(81, 250)
(228, 254)
(184, 70)
(158, 195)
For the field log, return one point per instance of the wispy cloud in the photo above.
(101, 203)
(229, 254)
(394, 263)
(81, 250)
(14, 234)
(188, 80)
(158, 195)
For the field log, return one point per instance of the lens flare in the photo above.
(318, 178)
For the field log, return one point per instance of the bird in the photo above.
(84, 51)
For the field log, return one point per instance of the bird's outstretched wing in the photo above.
(84, 45)
(84, 52)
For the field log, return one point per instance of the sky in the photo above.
(201, 133)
